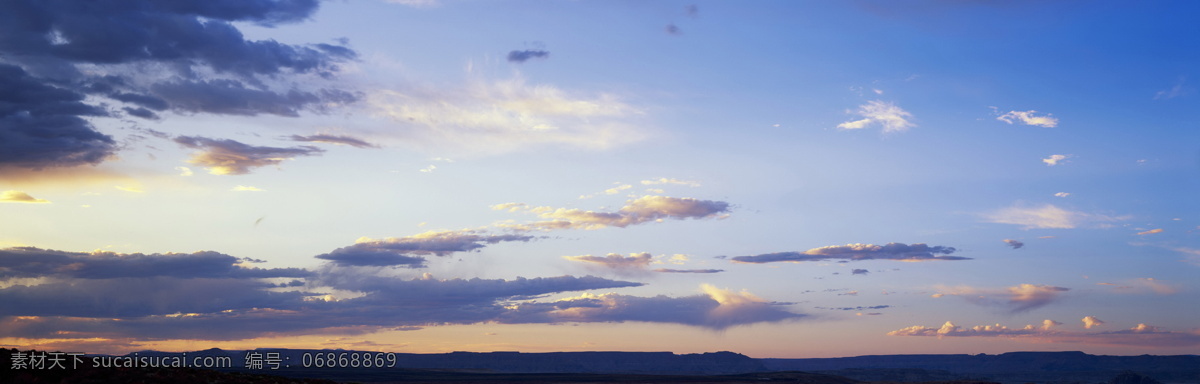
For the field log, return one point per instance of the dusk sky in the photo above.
(775, 178)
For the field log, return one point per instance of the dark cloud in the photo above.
(859, 272)
(153, 56)
(30, 262)
(229, 157)
(691, 10)
(667, 270)
(525, 55)
(398, 251)
(1014, 243)
(891, 251)
(671, 29)
(41, 124)
(334, 139)
(232, 97)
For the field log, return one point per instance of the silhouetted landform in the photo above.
(640, 367)
(1012, 367)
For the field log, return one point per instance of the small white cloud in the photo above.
(1055, 159)
(1027, 118)
(184, 171)
(428, 169)
(886, 114)
(1062, 194)
(243, 188)
(1175, 91)
(1091, 321)
(663, 180)
(1151, 232)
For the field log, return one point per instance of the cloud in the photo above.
(1140, 335)
(233, 97)
(1046, 216)
(334, 139)
(672, 29)
(859, 272)
(886, 114)
(504, 116)
(147, 57)
(1015, 244)
(1054, 159)
(859, 308)
(1175, 91)
(29, 262)
(637, 211)
(856, 252)
(184, 171)
(1091, 321)
(1020, 298)
(407, 251)
(20, 197)
(663, 180)
(1151, 232)
(42, 125)
(1062, 194)
(716, 309)
(1028, 118)
(635, 261)
(691, 10)
(229, 157)
(243, 188)
(525, 55)
(668, 270)
(1144, 285)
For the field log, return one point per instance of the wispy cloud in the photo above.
(664, 180)
(1015, 244)
(504, 116)
(1062, 194)
(1143, 285)
(637, 211)
(1176, 90)
(885, 114)
(1016, 299)
(1028, 118)
(229, 157)
(1151, 232)
(635, 262)
(244, 188)
(1046, 216)
(20, 197)
(890, 251)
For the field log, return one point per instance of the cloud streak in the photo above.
(636, 211)
(229, 157)
(857, 252)
(1141, 335)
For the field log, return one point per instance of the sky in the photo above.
(775, 178)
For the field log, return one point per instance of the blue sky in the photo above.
(770, 178)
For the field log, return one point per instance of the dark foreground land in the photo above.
(639, 367)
